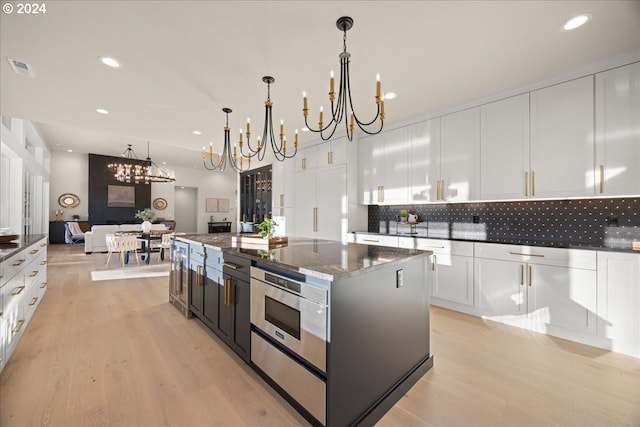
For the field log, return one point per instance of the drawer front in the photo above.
(236, 266)
(573, 258)
(214, 257)
(377, 239)
(197, 253)
(437, 246)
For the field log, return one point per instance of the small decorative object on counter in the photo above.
(403, 215)
(76, 217)
(146, 216)
(267, 227)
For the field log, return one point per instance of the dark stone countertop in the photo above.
(324, 259)
(7, 250)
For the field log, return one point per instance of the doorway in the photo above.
(186, 212)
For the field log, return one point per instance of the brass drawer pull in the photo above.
(15, 264)
(33, 301)
(520, 253)
(199, 276)
(231, 265)
(533, 183)
(530, 276)
(34, 273)
(17, 291)
(601, 179)
(17, 328)
(526, 184)
(43, 262)
(521, 275)
(35, 251)
(44, 285)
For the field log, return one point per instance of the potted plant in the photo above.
(267, 227)
(146, 216)
(403, 215)
(76, 217)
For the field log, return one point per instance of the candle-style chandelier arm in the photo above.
(225, 156)
(340, 109)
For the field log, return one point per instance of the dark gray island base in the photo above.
(340, 330)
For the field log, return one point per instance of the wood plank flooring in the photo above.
(116, 353)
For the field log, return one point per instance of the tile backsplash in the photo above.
(611, 222)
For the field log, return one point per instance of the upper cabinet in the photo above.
(618, 131)
(562, 140)
(424, 174)
(460, 156)
(384, 167)
(504, 149)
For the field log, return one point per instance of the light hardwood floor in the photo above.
(117, 353)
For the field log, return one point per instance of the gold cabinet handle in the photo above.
(382, 193)
(601, 179)
(15, 264)
(43, 262)
(526, 184)
(315, 219)
(33, 301)
(44, 285)
(231, 265)
(434, 261)
(199, 276)
(34, 273)
(442, 190)
(530, 276)
(17, 291)
(35, 251)
(521, 275)
(533, 183)
(304, 163)
(330, 157)
(281, 211)
(282, 200)
(43, 245)
(523, 254)
(17, 328)
(227, 291)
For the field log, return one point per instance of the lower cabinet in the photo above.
(542, 289)
(619, 301)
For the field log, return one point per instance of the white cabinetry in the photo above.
(384, 167)
(23, 283)
(452, 270)
(460, 156)
(283, 194)
(618, 131)
(376, 239)
(424, 173)
(306, 159)
(619, 301)
(562, 140)
(547, 290)
(504, 152)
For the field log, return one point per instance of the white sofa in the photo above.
(96, 241)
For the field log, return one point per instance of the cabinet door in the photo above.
(396, 166)
(240, 319)
(561, 297)
(223, 325)
(305, 200)
(282, 184)
(562, 140)
(305, 159)
(196, 287)
(504, 149)
(370, 154)
(331, 203)
(453, 278)
(212, 282)
(618, 131)
(619, 301)
(424, 160)
(460, 145)
(500, 287)
(332, 152)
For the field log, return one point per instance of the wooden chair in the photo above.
(122, 244)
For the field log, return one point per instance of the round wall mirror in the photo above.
(68, 200)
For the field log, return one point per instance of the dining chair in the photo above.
(165, 243)
(122, 244)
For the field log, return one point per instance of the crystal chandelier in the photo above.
(225, 156)
(278, 146)
(137, 170)
(344, 103)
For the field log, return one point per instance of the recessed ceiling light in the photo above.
(69, 151)
(577, 21)
(196, 132)
(390, 95)
(109, 62)
(102, 111)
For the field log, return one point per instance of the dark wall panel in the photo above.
(99, 180)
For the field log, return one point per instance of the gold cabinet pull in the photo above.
(434, 262)
(533, 183)
(34, 273)
(601, 179)
(442, 190)
(382, 193)
(17, 291)
(281, 211)
(304, 163)
(35, 251)
(521, 275)
(33, 301)
(523, 254)
(231, 265)
(15, 264)
(530, 276)
(43, 262)
(44, 285)
(227, 291)
(526, 184)
(315, 219)
(17, 328)
(282, 200)
(199, 276)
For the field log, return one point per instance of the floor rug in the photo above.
(131, 272)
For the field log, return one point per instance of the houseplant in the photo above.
(267, 227)
(403, 215)
(146, 216)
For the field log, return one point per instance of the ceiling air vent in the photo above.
(21, 68)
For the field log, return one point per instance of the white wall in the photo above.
(69, 174)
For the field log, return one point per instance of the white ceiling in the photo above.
(183, 61)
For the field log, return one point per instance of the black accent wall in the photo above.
(99, 179)
(594, 222)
